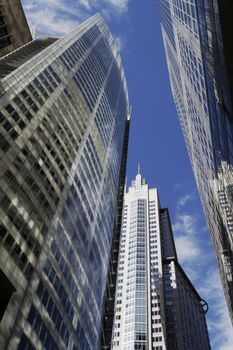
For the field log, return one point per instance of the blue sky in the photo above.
(155, 137)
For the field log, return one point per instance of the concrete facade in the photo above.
(14, 30)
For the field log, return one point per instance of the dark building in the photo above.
(197, 38)
(14, 30)
(64, 123)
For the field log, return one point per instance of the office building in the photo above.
(199, 59)
(156, 305)
(64, 124)
(14, 30)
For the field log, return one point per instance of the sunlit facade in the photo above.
(63, 121)
(199, 65)
(156, 306)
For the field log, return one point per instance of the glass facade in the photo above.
(64, 110)
(200, 87)
(156, 306)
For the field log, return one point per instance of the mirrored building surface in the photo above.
(199, 58)
(156, 305)
(64, 121)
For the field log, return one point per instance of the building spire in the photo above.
(138, 178)
(139, 169)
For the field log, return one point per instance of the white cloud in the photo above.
(196, 257)
(52, 17)
(189, 244)
(187, 249)
(193, 274)
(121, 5)
(86, 4)
(184, 200)
(58, 17)
(47, 23)
(218, 318)
(185, 224)
(178, 186)
(119, 43)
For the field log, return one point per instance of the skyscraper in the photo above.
(199, 59)
(64, 124)
(14, 30)
(156, 305)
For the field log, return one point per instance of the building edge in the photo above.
(108, 312)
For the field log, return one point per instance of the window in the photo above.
(4, 42)
(25, 344)
(6, 291)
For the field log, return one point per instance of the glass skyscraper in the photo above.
(199, 59)
(156, 305)
(64, 121)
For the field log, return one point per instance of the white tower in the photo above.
(150, 283)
